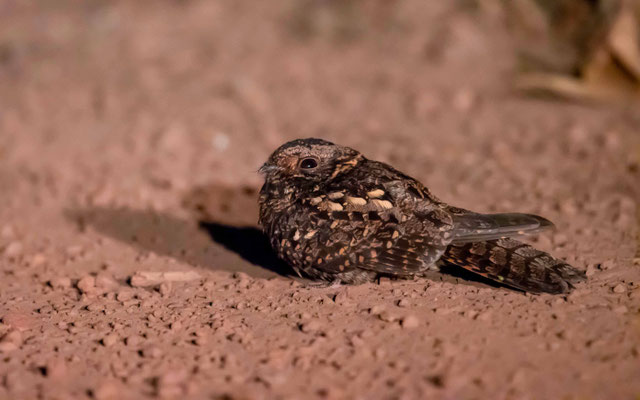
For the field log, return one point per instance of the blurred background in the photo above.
(109, 94)
(493, 104)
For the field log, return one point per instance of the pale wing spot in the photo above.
(352, 162)
(361, 259)
(315, 201)
(356, 201)
(333, 224)
(296, 235)
(320, 260)
(335, 195)
(375, 193)
(334, 206)
(395, 234)
(389, 244)
(383, 204)
(310, 234)
(374, 254)
(342, 250)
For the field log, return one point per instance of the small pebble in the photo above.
(388, 316)
(19, 320)
(55, 369)
(305, 315)
(165, 289)
(342, 297)
(173, 377)
(403, 303)
(125, 295)
(152, 352)
(38, 260)
(410, 321)
(311, 326)
(87, 284)
(377, 309)
(133, 341)
(379, 353)
(463, 100)
(7, 232)
(73, 251)
(106, 391)
(13, 336)
(621, 310)
(60, 283)
(13, 249)
(109, 340)
(619, 288)
(7, 347)
(105, 281)
(606, 265)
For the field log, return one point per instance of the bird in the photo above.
(337, 217)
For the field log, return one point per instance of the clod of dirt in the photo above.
(619, 288)
(388, 316)
(105, 282)
(87, 285)
(311, 326)
(410, 321)
(109, 340)
(404, 303)
(18, 320)
(13, 250)
(61, 283)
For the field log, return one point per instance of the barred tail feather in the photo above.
(515, 264)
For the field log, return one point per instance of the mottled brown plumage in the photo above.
(334, 215)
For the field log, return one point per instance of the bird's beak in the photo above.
(268, 168)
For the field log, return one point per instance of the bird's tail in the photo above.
(515, 264)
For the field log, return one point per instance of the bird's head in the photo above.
(308, 161)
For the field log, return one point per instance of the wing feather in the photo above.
(472, 227)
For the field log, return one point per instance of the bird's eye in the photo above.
(308, 163)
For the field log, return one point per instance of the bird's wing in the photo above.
(412, 247)
(381, 222)
(378, 241)
(473, 227)
(378, 220)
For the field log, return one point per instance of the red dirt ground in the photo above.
(130, 136)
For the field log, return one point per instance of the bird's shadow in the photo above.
(186, 240)
(249, 243)
(221, 215)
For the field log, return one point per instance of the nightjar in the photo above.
(334, 215)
